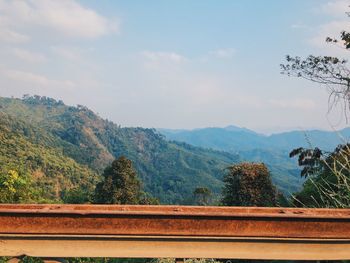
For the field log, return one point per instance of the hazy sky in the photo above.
(172, 64)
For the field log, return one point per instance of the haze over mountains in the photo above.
(233, 138)
(65, 148)
(273, 150)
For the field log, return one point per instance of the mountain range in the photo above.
(273, 150)
(64, 148)
(235, 139)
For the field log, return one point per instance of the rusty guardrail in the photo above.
(174, 231)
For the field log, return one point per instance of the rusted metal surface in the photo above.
(177, 210)
(175, 220)
(174, 231)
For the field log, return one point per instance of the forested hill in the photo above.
(45, 173)
(273, 150)
(64, 147)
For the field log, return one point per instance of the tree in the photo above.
(120, 184)
(249, 184)
(202, 196)
(328, 173)
(332, 72)
(329, 71)
(15, 188)
(78, 195)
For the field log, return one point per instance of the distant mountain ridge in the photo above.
(273, 150)
(215, 138)
(233, 138)
(233, 128)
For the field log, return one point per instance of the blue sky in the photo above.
(172, 64)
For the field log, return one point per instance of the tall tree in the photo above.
(202, 196)
(249, 184)
(120, 184)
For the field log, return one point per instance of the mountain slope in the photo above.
(30, 152)
(272, 150)
(325, 140)
(227, 139)
(169, 170)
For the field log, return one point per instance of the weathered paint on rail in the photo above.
(174, 231)
(177, 210)
(175, 220)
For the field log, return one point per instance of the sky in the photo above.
(177, 64)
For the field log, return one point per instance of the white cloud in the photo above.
(160, 56)
(333, 30)
(10, 36)
(338, 23)
(336, 8)
(223, 53)
(24, 77)
(163, 61)
(76, 57)
(27, 77)
(28, 56)
(299, 26)
(62, 16)
(297, 104)
(67, 52)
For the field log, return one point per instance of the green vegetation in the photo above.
(272, 150)
(121, 185)
(50, 152)
(328, 172)
(249, 184)
(15, 188)
(167, 260)
(33, 171)
(63, 149)
(328, 183)
(202, 196)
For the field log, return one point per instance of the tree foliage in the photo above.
(328, 173)
(121, 185)
(330, 71)
(32, 169)
(249, 184)
(15, 188)
(202, 196)
(309, 159)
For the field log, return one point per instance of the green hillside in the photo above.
(251, 147)
(83, 144)
(273, 150)
(31, 153)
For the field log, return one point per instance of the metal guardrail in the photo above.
(174, 232)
